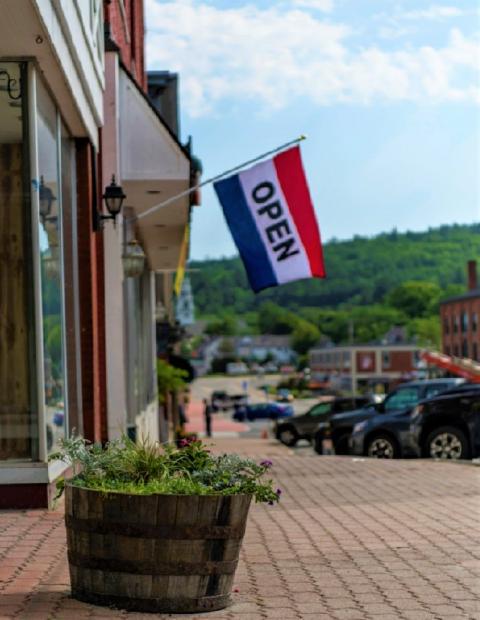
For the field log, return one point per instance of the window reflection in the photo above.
(50, 234)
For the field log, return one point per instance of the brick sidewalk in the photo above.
(351, 538)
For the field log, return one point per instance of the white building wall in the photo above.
(113, 241)
(74, 38)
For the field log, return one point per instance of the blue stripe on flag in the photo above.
(245, 234)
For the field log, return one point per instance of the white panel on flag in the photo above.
(275, 225)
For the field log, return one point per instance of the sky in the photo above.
(387, 92)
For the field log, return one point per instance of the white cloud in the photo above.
(273, 57)
(433, 12)
(318, 5)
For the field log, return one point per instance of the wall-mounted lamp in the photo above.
(133, 259)
(47, 199)
(113, 197)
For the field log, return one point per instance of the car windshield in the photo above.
(321, 409)
(459, 389)
(404, 398)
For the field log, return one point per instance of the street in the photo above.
(350, 539)
(222, 423)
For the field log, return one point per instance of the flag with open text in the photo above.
(271, 217)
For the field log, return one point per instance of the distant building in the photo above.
(358, 367)
(261, 348)
(459, 316)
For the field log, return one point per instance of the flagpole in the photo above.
(217, 177)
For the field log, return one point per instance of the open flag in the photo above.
(270, 215)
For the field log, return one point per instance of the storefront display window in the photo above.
(18, 416)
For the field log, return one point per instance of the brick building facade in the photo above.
(460, 316)
(362, 367)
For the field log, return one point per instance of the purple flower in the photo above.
(266, 463)
(278, 492)
(270, 503)
(183, 443)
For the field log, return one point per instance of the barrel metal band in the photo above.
(158, 605)
(146, 567)
(167, 532)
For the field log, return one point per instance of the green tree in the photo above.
(275, 320)
(169, 379)
(304, 336)
(224, 325)
(416, 299)
(426, 331)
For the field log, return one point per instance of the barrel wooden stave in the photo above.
(121, 570)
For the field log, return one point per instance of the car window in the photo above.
(402, 399)
(321, 409)
(345, 405)
(433, 390)
(361, 402)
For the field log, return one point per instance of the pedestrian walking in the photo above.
(207, 412)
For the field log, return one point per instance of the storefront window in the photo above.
(139, 330)
(50, 236)
(18, 418)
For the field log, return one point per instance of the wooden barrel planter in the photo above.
(154, 553)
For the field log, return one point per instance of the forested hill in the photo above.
(360, 271)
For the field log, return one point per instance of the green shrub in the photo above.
(148, 468)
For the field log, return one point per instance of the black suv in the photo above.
(304, 426)
(403, 398)
(448, 426)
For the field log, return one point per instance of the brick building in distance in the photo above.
(363, 367)
(460, 320)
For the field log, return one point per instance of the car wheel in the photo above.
(447, 442)
(318, 443)
(288, 436)
(341, 445)
(382, 447)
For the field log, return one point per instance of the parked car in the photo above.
(284, 396)
(236, 368)
(448, 426)
(239, 400)
(304, 426)
(386, 435)
(402, 399)
(220, 400)
(262, 411)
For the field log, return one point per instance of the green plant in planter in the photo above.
(148, 468)
(169, 379)
(157, 528)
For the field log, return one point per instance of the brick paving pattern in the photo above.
(351, 539)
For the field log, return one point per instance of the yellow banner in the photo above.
(182, 261)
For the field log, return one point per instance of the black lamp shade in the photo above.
(114, 198)
(46, 198)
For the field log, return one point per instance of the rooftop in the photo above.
(473, 294)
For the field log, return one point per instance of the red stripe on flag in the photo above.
(295, 189)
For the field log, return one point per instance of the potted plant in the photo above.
(158, 529)
(182, 436)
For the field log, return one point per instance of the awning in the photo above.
(153, 167)
(462, 367)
